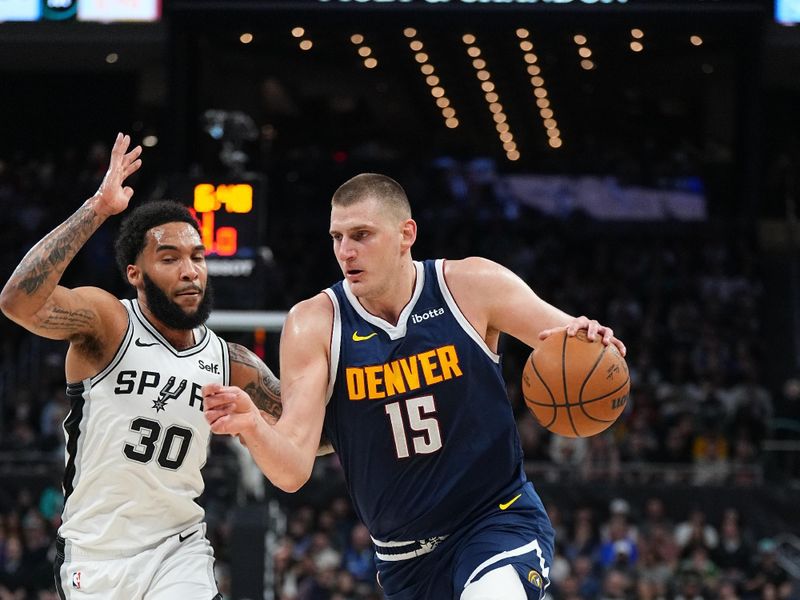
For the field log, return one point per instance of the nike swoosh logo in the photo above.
(510, 502)
(139, 342)
(361, 338)
(183, 538)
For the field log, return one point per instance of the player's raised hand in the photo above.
(112, 196)
(229, 410)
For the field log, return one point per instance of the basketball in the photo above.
(575, 387)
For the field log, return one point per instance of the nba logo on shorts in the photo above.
(76, 580)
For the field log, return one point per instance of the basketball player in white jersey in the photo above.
(136, 434)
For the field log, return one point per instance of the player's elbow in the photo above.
(11, 304)
(291, 482)
(293, 478)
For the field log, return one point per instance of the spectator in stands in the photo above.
(696, 530)
(589, 579)
(733, 552)
(767, 578)
(617, 585)
(359, 556)
(655, 515)
(584, 539)
(698, 562)
(14, 570)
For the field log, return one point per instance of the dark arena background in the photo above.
(633, 160)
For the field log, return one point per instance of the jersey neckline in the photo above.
(393, 331)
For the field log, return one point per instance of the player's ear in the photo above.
(134, 274)
(409, 232)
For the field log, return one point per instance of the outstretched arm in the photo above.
(32, 296)
(285, 451)
(495, 300)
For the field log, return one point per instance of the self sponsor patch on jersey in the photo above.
(399, 376)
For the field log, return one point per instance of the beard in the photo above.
(172, 315)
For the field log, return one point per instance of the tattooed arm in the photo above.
(32, 296)
(251, 374)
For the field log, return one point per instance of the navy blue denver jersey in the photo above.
(418, 413)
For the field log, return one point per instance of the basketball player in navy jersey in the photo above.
(136, 434)
(397, 364)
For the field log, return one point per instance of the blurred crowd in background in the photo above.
(687, 301)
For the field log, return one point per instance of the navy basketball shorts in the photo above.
(516, 531)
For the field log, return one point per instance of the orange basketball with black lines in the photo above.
(575, 387)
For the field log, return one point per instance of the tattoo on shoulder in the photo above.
(264, 388)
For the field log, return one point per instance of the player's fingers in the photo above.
(214, 414)
(592, 329)
(607, 333)
(133, 154)
(233, 424)
(120, 147)
(221, 425)
(220, 401)
(210, 389)
(577, 324)
(116, 149)
(620, 346)
(133, 167)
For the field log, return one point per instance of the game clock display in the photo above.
(229, 215)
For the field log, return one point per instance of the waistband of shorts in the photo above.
(70, 550)
(395, 551)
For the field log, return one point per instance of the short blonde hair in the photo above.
(384, 189)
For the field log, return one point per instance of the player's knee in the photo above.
(499, 584)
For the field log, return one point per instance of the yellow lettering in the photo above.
(428, 367)
(373, 381)
(393, 378)
(410, 371)
(448, 361)
(403, 375)
(355, 383)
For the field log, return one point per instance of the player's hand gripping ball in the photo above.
(574, 387)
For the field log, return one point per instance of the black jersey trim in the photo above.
(57, 564)
(191, 351)
(226, 363)
(72, 427)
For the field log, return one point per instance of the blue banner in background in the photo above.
(787, 12)
(20, 10)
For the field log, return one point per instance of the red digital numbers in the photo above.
(208, 200)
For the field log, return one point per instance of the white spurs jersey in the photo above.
(136, 439)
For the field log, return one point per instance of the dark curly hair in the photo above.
(131, 237)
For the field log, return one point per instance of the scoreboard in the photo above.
(227, 218)
(231, 214)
